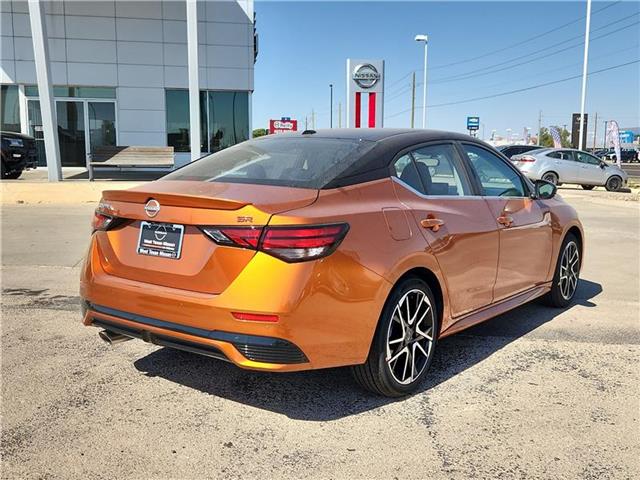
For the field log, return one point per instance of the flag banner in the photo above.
(555, 134)
(613, 138)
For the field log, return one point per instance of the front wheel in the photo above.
(404, 343)
(550, 177)
(614, 183)
(567, 274)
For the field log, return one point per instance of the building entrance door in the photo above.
(83, 125)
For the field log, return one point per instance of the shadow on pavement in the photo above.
(330, 394)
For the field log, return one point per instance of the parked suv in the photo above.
(566, 165)
(18, 154)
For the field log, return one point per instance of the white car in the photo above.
(567, 165)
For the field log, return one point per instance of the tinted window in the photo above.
(406, 171)
(438, 171)
(560, 155)
(497, 178)
(586, 158)
(305, 162)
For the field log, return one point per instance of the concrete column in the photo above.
(45, 90)
(194, 84)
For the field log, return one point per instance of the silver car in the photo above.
(567, 165)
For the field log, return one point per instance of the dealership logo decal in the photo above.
(152, 208)
(160, 233)
(366, 75)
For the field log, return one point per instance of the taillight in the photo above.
(297, 244)
(288, 243)
(527, 158)
(245, 237)
(101, 221)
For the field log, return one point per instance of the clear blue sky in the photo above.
(304, 47)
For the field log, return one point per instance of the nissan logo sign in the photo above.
(366, 75)
(152, 208)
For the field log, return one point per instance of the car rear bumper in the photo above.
(327, 312)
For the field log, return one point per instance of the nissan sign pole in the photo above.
(365, 93)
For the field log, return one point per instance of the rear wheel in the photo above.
(614, 183)
(403, 346)
(567, 274)
(13, 175)
(588, 187)
(550, 177)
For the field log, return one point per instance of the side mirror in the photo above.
(544, 190)
(603, 165)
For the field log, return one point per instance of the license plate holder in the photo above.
(162, 240)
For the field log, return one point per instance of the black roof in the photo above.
(374, 164)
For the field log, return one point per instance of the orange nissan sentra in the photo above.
(329, 248)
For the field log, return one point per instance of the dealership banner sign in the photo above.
(365, 93)
(613, 138)
(283, 125)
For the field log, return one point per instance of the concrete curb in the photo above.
(60, 193)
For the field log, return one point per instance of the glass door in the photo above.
(71, 133)
(102, 124)
(35, 130)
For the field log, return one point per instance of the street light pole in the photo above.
(425, 39)
(331, 105)
(585, 63)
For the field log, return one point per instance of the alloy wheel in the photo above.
(569, 270)
(410, 337)
(614, 184)
(551, 178)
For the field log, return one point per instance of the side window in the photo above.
(586, 158)
(496, 177)
(561, 155)
(406, 171)
(438, 171)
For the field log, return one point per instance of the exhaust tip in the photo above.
(112, 338)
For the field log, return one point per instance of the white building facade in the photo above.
(119, 73)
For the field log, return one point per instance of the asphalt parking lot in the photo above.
(535, 393)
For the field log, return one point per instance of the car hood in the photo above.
(16, 135)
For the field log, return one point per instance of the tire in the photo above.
(3, 169)
(564, 286)
(398, 332)
(614, 183)
(550, 177)
(588, 187)
(13, 175)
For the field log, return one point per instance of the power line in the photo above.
(540, 55)
(522, 42)
(519, 90)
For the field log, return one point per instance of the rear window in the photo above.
(304, 162)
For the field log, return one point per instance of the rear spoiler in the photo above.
(172, 199)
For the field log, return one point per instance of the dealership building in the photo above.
(80, 75)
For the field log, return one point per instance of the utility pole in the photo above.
(413, 98)
(585, 64)
(306, 122)
(604, 138)
(595, 131)
(339, 114)
(313, 120)
(331, 106)
(539, 126)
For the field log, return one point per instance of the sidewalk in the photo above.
(33, 186)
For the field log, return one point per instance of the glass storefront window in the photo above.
(224, 119)
(10, 115)
(74, 92)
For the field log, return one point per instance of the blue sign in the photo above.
(473, 123)
(626, 136)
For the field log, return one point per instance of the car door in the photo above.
(589, 170)
(456, 224)
(524, 223)
(564, 165)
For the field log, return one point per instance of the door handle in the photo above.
(433, 223)
(505, 220)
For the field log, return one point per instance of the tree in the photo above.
(259, 132)
(546, 140)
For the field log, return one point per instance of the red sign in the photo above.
(280, 126)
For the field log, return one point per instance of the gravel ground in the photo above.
(535, 393)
